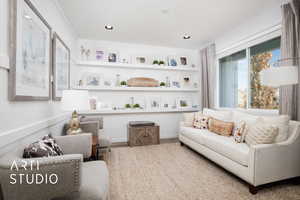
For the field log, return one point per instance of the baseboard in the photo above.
(162, 141)
(4, 61)
(14, 135)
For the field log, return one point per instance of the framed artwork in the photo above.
(100, 55)
(61, 67)
(113, 57)
(172, 61)
(140, 60)
(92, 79)
(30, 53)
(183, 60)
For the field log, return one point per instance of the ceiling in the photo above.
(160, 22)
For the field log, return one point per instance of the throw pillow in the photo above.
(222, 115)
(189, 119)
(50, 141)
(260, 133)
(239, 132)
(282, 122)
(220, 127)
(200, 121)
(42, 148)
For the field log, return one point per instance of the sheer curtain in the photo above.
(208, 70)
(290, 95)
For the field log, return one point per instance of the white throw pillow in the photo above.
(260, 133)
(218, 114)
(238, 116)
(189, 118)
(282, 122)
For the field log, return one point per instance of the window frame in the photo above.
(257, 39)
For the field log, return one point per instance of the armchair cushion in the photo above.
(76, 144)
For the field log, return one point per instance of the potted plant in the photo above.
(162, 84)
(136, 105)
(161, 62)
(155, 62)
(123, 83)
(127, 105)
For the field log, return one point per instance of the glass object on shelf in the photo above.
(118, 83)
(261, 57)
(168, 83)
(234, 80)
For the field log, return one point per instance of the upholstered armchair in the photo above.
(94, 125)
(75, 180)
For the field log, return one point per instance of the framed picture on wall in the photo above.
(30, 53)
(61, 67)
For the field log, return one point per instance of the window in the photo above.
(240, 81)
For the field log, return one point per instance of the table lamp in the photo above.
(74, 100)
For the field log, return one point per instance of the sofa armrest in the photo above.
(274, 162)
(42, 178)
(76, 144)
(90, 127)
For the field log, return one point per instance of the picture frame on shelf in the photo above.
(92, 79)
(30, 60)
(61, 67)
(176, 84)
(125, 59)
(140, 60)
(186, 80)
(173, 61)
(183, 102)
(183, 61)
(100, 55)
(113, 56)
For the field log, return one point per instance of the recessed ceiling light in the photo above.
(109, 27)
(186, 37)
(27, 17)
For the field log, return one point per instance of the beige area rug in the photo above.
(172, 172)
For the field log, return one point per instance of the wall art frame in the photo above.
(60, 67)
(30, 53)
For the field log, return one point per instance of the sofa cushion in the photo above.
(201, 121)
(238, 152)
(194, 134)
(282, 122)
(218, 114)
(220, 127)
(189, 118)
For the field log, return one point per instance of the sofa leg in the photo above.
(181, 144)
(252, 189)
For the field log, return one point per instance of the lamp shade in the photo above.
(75, 100)
(279, 76)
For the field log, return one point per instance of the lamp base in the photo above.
(74, 125)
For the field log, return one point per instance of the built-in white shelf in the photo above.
(141, 89)
(134, 66)
(137, 111)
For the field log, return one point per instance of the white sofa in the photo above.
(258, 164)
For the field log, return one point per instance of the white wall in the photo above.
(14, 115)
(266, 20)
(116, 125)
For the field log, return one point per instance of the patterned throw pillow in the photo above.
(220, 127)
(239, 132)
(260, 133)
(200, 121)
(42, 148)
